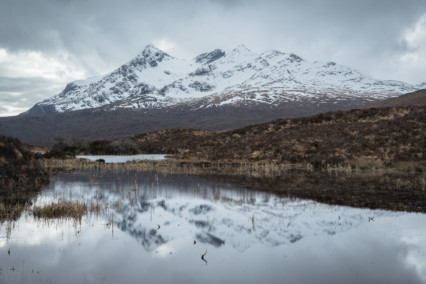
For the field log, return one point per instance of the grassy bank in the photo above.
(260, 168)
(66, 209)
(363, 138)
(21, 177)
(376, 188)
(384, 137)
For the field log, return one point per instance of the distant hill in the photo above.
(383, 135)
(414, 98)
(93, 124)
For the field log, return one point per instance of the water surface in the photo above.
(122, 158)
(148, 223)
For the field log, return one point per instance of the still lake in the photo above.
(123, 158)
(154, 228)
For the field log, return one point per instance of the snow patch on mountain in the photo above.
(155, 79)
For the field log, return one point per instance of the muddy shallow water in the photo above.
(154, 228)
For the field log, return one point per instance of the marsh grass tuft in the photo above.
(64, 209)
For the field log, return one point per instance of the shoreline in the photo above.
(388, 189)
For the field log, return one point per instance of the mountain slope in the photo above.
(155, 79)
(414, 98)
(92, 124)
(384, 135)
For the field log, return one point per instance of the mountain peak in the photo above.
(151, 49)
(155, 79)
(151, 55)
(241, 48)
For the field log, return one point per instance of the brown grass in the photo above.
(61, 209)
(66, 209)
(386, 136)
(254, 169)
(364, 184)
(21, 178)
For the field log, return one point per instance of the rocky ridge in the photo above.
(156, 80)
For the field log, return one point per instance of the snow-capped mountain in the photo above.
(155, 79)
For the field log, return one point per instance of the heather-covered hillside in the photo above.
(385, 135)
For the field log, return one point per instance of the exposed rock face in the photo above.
(209, 57)
(156, 80)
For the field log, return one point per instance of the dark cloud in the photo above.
(100, 35)
(109, 28)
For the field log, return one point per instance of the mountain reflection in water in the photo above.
(146, 229)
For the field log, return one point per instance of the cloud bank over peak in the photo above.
(59, 41)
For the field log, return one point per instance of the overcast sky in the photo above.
(45, 44)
